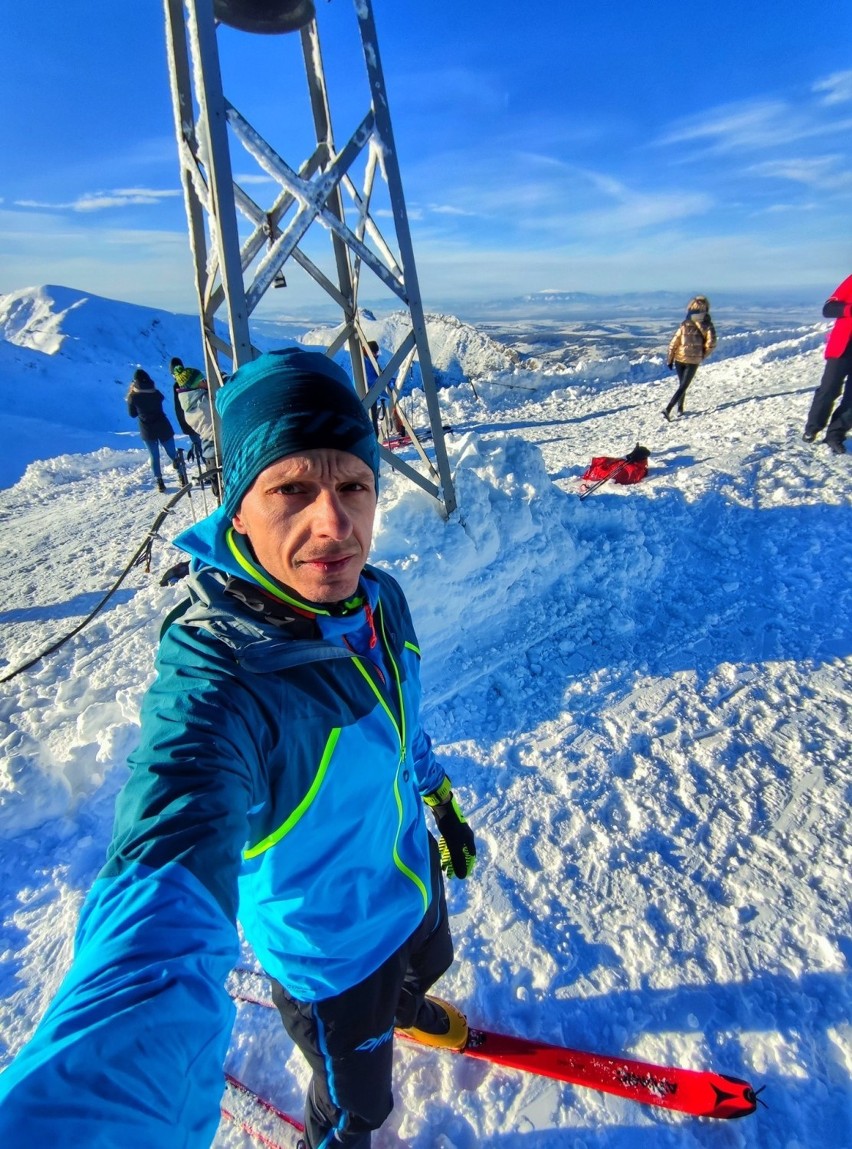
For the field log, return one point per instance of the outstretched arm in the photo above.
(130, 1052)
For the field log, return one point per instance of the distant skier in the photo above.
(283, 778)
(837, 375)
(145, 403)
(691, 344)
(193, 399)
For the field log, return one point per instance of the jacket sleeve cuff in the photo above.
(441, 794)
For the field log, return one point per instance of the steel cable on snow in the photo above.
(142, 554)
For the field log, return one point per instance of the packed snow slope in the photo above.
(643, 699)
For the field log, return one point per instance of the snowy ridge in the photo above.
(28, 318)
(91, 329)
(459, 351)
(642, 699)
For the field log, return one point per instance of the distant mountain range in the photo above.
(583, 304)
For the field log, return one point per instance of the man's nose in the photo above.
(330, 517)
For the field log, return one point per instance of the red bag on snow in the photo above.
(633, 469)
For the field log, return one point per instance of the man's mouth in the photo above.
(328, 564)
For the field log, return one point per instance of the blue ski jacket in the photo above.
(278, 781)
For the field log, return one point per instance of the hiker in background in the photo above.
(371, 374)
(691, 344)
(837, 375)
(145, 403)
(197, 449)
(372, 370)
(192, 396)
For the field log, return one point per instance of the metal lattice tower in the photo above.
(240, 248)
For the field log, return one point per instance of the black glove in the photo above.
(670, 365)
(456, 843)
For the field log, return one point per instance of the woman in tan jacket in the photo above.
(692, 343)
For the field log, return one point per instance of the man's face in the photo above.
(309, 519)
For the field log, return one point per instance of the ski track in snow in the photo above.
(643, 700)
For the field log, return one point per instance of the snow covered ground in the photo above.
(643, 698)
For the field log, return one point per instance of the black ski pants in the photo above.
(685, 375)
(348, 1040)
(836, 377)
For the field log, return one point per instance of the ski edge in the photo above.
(248, 1109)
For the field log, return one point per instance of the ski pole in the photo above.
(637, 455)
(605, 479)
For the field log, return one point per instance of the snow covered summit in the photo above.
(642, 699)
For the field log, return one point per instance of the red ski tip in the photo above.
(701, 1093)
(738, 1101)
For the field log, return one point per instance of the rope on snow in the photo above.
(142, 555)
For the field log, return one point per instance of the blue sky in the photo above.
(573, 147)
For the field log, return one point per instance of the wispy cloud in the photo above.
(101, 201)
(728, 126)
(671, 260)
(38, 248)
(413, 211)
(741, 127)
(450, 209)
(256, 178)
(826, 173)
(557, 201)
(468, 90)
(765, 123)
(837, 88)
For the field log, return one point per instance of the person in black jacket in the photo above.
(145, 403)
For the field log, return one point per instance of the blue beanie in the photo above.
(281, 404)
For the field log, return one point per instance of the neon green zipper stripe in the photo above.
(382, 703)
(395, 668)
(397, 859)
(398, 862)
(300, 811)
(411, 646)
(420, 885)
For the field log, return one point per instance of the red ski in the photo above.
(700, 1093)
(396, 441)
(262, 1120)
(403, 439)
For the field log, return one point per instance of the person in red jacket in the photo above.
(837, 375)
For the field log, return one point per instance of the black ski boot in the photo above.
(180, 466)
